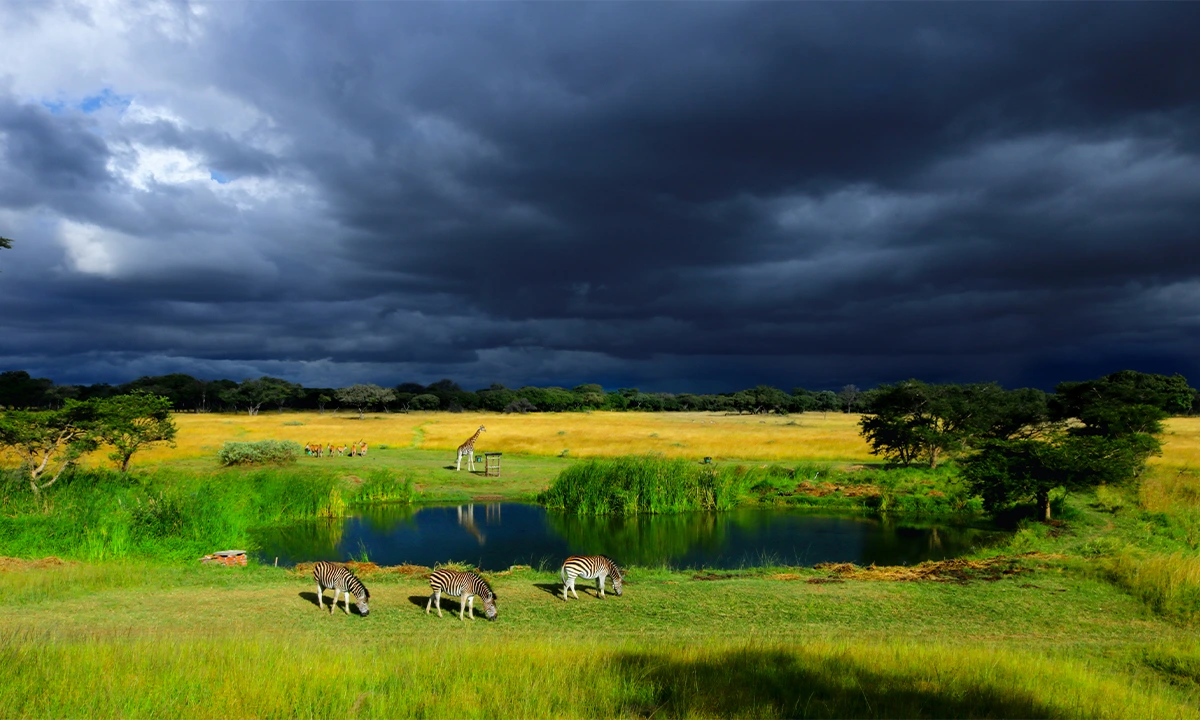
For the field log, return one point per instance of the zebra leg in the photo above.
(600, 584)
(333, 607)
(320, 592)
(347, 602)
(573, 591)
(471, 607)
(566, 584)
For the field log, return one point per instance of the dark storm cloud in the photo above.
(686, 196)
(43, 155)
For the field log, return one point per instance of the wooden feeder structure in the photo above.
(491, 464)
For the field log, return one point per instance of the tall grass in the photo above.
(646, 484)
(1168, 583)
(286, 676)
(97, 514)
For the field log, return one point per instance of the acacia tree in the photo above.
(363, 396)
(253, 394)
(1103, 431)
(913, 421)
(49, 442)
(131, 422)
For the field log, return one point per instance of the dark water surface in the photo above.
(496, 536)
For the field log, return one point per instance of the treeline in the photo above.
(188, 394)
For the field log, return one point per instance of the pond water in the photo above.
(497, 536)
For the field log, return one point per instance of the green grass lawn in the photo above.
(127, 639)
(432, 471)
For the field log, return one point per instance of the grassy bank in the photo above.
(171, 514)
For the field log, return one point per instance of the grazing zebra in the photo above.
(329, 575)
(588, 567)
(465, 586)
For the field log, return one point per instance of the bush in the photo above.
(259, 453)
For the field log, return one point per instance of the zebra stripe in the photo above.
(330, 575)
(462, 585)
(588, 567)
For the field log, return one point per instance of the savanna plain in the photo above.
(110, 614)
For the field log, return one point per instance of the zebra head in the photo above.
(617, 578)
(361, 602)
(489, 606)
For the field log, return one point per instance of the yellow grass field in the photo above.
(816, 437)
(811, 436)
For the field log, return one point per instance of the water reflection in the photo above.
(499, 535)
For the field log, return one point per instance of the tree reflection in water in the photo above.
(514, 533)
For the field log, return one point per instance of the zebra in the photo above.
(330, 575)
(465, 586)
(588, 567)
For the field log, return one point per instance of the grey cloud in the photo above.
(693, 196)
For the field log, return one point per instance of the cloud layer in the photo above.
(679, 196)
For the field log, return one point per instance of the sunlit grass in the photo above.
(1181, 444)
(1168, 583)
(271, 676)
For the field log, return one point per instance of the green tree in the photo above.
(131, 422)
(1100, 431)
(19, 390)
(426, 401)
(365, 396)
(49, 442)
(253, 394)
(913, 421)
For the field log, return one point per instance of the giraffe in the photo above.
(468, 449)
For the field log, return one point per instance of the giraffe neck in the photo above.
(470, 443)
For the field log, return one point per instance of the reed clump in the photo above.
(645, 484)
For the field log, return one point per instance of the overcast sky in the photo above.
(675, 196)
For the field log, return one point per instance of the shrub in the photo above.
(259, 453)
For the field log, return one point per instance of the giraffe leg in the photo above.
(459, 466)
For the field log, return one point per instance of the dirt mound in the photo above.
(11, 563)
(952, 571)
(821, 490)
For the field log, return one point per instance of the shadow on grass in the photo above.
(753, 683)
(448, 604)
(327, 599)
(556, 590)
